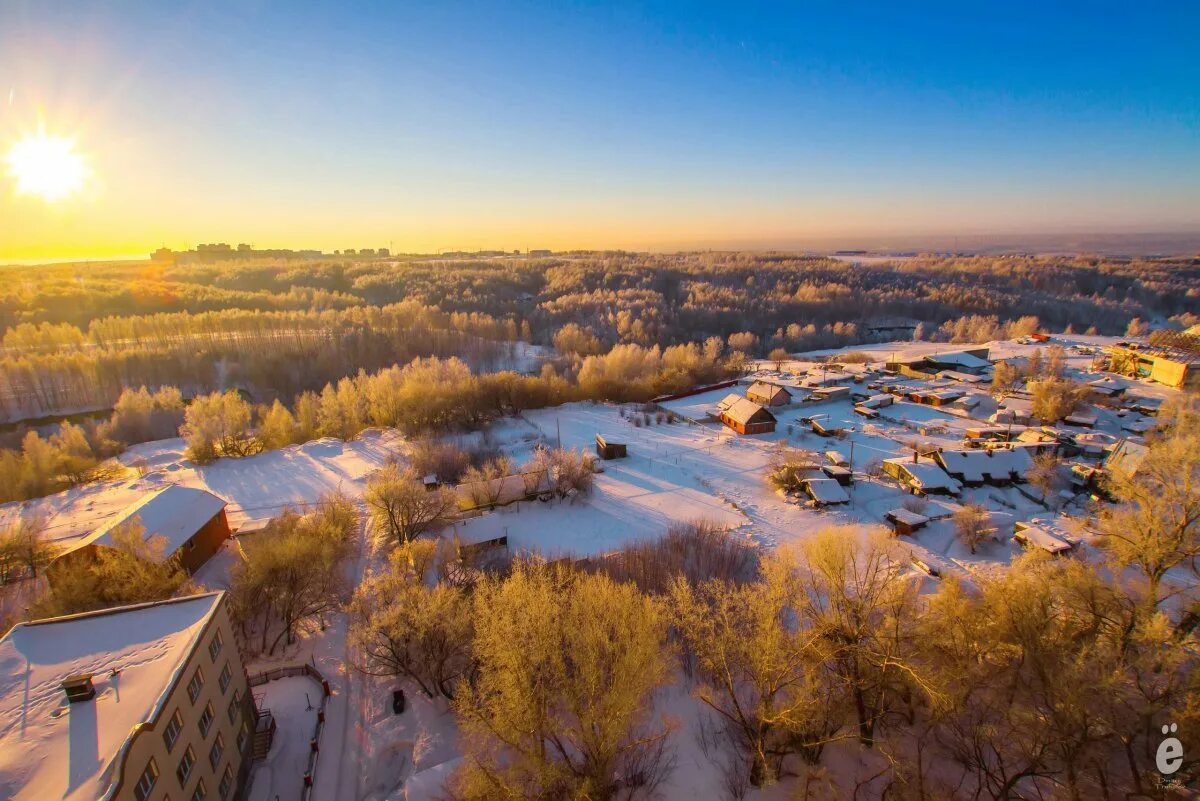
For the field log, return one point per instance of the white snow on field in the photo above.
(257, 486)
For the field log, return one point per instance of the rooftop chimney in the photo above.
(79, 687)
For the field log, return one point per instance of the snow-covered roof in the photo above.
(52, 749)
(728, 401)
(962, 359)
(1044, 539)
(1126, 457)
(174, 513)
(903, 515)
(1081, 419)
(986, 465)
(766, 390)
(956, 375)
(927, 475)
(744, 409)
(826, 490)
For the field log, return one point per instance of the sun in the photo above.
(46, 166)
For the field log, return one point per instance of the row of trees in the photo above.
(1049, 679)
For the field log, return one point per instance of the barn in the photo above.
(747, 417)
(190, 523)
(766, 394)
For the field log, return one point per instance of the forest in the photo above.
(76, 335)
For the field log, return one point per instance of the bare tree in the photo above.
(973, 525)
(402, 507)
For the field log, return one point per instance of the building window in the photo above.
(145, 784)
(214, 753)
(234, 706)
(225, 678)
(226, 783)
(243, 736)
(206, 719)
(214, 647)
(200, 792)
(196, 685)
(185, 766)
(171, 732)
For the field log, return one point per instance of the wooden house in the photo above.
(767, 394)
(747, 417)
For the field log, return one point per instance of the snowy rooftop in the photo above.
(50, 749)
(962, 359)
(926, 474)
(981, 465)
(826, 490)
(174, 513)
(743, 410)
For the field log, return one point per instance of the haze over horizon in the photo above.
(662, 126)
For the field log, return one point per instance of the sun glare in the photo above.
(46, 166)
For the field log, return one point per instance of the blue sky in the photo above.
(649, 125)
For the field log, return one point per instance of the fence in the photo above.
(306, 669)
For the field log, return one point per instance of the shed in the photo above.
(189, 523)
(1081, 420)
(905, 521)
(610, 450)
(836, 457)
(747, 417)
(768, 394)
(921, 478)
(825, 491)
(1036, 536)
(841, 475)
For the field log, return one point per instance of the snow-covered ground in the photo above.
(293, 702)
(674, 473)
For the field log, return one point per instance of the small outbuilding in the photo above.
(190, 525)
(610, 450)
(921, 478)
(842, 475)
(747, 417)
(906, 522)
(825, 491)
(1032, 535)
(767, 394)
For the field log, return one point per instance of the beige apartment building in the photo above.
(138, 703)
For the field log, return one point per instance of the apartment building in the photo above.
(139, 703)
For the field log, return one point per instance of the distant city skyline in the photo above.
(463, 126)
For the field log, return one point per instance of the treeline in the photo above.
(426, 395)
(630, 297)
(48, 368)
(75, 336)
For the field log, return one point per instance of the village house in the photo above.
(975, 467)
(747, 417)
(138, 703)
(766, 394)
(968, 362)
(921, 478)
(1126, 458)
(190, 524)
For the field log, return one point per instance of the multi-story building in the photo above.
(138, 703)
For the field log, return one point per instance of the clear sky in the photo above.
(454, 125)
